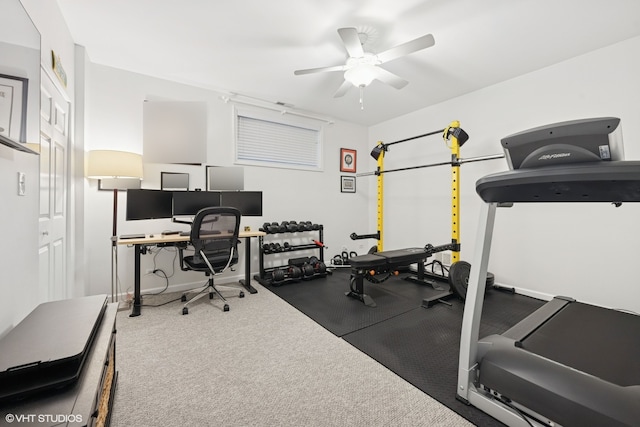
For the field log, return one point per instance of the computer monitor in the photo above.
(188, 203)
(249, 203)
(174, 181)
(148, 204)
(225, 178)
(575, 141)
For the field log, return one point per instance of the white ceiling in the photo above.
(252, 47)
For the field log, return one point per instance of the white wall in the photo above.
(19, 214)
(585, 251)
(18, 225)
(114, 121)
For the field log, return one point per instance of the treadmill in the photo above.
(568, 363)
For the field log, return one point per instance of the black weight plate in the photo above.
(459, 278)
(491, 280)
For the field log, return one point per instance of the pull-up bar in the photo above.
(457, 132)
(452, 162)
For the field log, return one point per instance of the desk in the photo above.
(159, 239)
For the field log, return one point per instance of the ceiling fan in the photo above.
(363, 67)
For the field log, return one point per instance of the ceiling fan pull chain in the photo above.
(362, 97)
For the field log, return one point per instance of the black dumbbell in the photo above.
(307, 270)
(278, 276)
(291, 226)
(294, 272)
(320, 267)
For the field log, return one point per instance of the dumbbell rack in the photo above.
(265, 277)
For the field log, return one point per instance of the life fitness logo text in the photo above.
(43, 418)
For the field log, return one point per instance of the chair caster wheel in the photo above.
(210, 295)
(226, 307)
(241, 295)
(183, 298)
(185, 310)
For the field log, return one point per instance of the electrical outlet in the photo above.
(446, 258)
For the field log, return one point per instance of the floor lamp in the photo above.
(114, 165)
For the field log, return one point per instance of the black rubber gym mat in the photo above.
(324, 300)
(422, 345)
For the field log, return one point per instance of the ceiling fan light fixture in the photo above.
(361, 75)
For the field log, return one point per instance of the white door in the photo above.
(54, 138)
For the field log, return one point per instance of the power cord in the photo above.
(517, 410)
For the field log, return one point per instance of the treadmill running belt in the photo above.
(598, 341)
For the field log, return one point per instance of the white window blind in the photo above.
(270, 142)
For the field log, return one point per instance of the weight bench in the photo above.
(367, 266)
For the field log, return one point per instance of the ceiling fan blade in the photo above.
(351, 42)
(391, 79)
(344, 87)
(406, 48)
(320, 70)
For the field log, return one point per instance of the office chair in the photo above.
(214, 238)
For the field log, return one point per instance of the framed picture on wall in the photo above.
(347, 184)
(347, 160)
(13, 107)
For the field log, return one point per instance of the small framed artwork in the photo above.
(13, 107)
(347, 160)
(347, 184)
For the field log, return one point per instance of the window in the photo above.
(267, 138)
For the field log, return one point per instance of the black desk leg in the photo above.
(137, 303)
(246, 282)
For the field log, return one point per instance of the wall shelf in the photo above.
(16, 145)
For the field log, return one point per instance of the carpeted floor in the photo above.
(263, 363)
(421, 345)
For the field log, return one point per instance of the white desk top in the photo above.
(153, 239)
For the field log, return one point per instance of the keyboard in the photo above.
(132, 236)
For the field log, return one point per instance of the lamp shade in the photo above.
(103, 164)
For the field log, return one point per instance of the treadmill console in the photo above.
(576, 141)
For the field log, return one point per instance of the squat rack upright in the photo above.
(456, 137)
